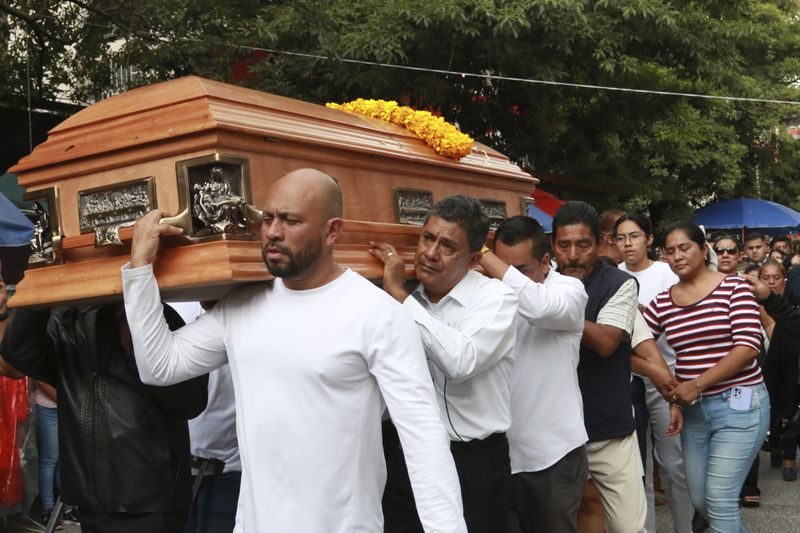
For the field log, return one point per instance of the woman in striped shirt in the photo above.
(711, 320)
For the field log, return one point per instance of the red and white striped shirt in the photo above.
(704, 332)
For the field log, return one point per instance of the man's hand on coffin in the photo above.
(394, 278)
(147, 233)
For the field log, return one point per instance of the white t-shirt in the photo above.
(469, 339)
(653, 280)
(310, 369)
(546, 404)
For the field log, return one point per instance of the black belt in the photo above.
(492, 440)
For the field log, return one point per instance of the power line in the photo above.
(488, 76)
(522, 80)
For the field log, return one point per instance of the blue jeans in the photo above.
(214, 509)
(47, 441)
(719, 445)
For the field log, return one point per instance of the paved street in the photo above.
(780, 505)
(779, 511)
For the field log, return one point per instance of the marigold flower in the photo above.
(440, 135)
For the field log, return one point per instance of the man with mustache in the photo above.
(313, 356)
(604, 370)
(467, 326)
(547, 434)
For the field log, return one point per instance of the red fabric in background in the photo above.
(547, 202)
(14, 409)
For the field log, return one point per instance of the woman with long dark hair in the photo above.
(711, 320)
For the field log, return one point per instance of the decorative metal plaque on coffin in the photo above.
(412, 205)
(103, 210)
(215, 198)
(495, 210)
(46, 241)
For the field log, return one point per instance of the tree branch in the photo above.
(31, 20)
(109, 17)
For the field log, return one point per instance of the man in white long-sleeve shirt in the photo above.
(467, 326)
(547, 435)
(313, 356)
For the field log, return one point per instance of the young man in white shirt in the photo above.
(467, 326)
(547, 434)
(313, 357)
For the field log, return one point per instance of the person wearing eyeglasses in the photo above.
(633, 234)
(729, 254)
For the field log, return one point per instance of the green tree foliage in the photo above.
(663, 153)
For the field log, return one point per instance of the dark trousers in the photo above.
(789, 445)
(641, 415)
(484, 473)
(166, 522)
(750, 487)
(399, 508)
(548, 501)
(214, 509)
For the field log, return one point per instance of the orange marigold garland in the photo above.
(435, 131)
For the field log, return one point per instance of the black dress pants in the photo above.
(484, 473)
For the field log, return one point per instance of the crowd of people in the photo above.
(533, 385)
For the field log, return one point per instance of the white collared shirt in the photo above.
(546, 404)
(311, 370)
(469, 340)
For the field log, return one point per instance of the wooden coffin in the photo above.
(169, 144)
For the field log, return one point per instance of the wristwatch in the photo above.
(4, 315)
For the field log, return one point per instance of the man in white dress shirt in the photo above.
(467, 326)
(313, 356)
(547, 435)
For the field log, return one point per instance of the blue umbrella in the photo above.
(746, 213)
(13, 191)
(15, 228)
(16, 232)
(541, 217)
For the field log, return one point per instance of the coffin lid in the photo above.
(193, 105)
